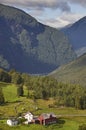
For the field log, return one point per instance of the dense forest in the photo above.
(44, 87)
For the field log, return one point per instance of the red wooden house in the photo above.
(46, 119)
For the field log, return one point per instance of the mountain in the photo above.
(29, 46)
(74, 72)
(76, 35)
(81, 51)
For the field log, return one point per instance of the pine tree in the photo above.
(20, 91)
(2, 100)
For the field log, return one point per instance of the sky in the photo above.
(55, 13)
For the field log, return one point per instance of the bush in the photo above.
(82, 127)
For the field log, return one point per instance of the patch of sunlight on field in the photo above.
(10, 93)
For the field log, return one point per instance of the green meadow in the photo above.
(24, 104)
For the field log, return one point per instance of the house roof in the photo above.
(29, 113)
(48, 115)
(13, 119)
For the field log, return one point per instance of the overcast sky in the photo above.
(56, 13)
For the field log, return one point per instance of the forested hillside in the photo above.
(41, 87)
(29, 46)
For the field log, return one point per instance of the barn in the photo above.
(47, 118)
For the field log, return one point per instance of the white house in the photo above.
(12, 122)
(29, 117)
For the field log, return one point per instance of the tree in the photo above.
(82, 127)
(44, 94)
(26, 79)
(32, 95)
(16, 78)
(2, 100)
(80, 99)
(4, 76)
(20, 91)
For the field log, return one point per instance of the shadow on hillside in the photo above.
(60, 121)
(15, 102)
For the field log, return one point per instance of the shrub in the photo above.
(82, 127)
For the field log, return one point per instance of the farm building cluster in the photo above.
(29, 118)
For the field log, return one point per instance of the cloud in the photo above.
(63, 5)
(80, 2)
(63, 20)
(52, 4)
(36, 13)
(37, 8)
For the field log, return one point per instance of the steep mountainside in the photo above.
(29, 46)
(74, 72)
(77, 35)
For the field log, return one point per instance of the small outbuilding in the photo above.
(12, 122)
(46, 119)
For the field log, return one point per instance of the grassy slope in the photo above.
(23, 104)
(74, 72)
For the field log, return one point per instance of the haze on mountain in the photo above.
(73, 72)
(76, 34)
(29, 46)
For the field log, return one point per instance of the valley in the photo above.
(42, 71)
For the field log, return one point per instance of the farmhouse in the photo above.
(46, 119)
(29, 117)
(12, 122)
(43, 119)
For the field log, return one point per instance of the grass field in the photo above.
(24, 104)
(62, 124)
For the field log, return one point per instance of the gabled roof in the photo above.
(29, 113)
(48, 115)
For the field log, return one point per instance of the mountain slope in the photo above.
(30, 46)
(76, 35)
(74, 72)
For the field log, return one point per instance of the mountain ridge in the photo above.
(76, 34)
(29, 46)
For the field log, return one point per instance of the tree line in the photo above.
(44, 87)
